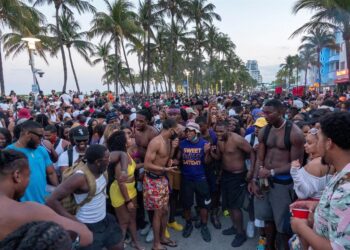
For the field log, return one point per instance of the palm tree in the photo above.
(175, 9)
(307, 58)
(81, 6)
(73, 38)
(202, 14)
(101, 53)
(109, 75)
(118, 24)
(18, 17)
(288, 67)
(318, 39)
(334, 14)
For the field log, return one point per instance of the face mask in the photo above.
(31, 144)
(173, 136)
(194, 139)
(286, 116)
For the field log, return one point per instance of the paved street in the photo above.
(195, 241)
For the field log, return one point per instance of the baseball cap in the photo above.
(111, 116)
(260, 122)
(190, 111)
(193, 126)
(24, 113)
(80, 133)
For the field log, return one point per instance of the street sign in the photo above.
(35, 88)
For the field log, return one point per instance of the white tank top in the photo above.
(95, 210)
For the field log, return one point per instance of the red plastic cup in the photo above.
(300, 213)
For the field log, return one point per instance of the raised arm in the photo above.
(68, 187)
(37, 212)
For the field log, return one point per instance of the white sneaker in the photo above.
(250, 229)
(149, 237)
(145, 231)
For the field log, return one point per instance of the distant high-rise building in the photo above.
(253, 69)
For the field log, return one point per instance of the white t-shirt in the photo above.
(63, 160)
(66, 98)
(256, 141)
(4, 106)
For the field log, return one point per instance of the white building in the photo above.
(253, 69)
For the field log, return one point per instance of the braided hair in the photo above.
(38, 235)
(11, 160)
(117, 141)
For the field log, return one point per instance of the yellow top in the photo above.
(117, 198)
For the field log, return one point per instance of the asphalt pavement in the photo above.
(195, 241)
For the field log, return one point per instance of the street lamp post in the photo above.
(221, 86)
(31, 47)
(187, 83)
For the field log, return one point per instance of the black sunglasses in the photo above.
(37, 134)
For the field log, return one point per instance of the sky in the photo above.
(260, 29)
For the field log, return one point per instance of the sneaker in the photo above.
(176, 226)
(146, 229)
(229, 231)
(188, 230)
(205, 233)
(215, 221)
(250, 229)
(197, 224)
(239, 240)
(149, 237)
(167, 234)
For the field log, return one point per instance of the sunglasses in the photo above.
(37, 134)
(313, 131)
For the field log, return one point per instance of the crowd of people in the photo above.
(97, 171)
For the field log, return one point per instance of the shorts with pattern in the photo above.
(155, 192)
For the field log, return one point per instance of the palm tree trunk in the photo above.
(319, 68)
(116, 79)
(143, 64)
(60, 40)
(73, 69)
(305, 81)
(171, 57)
(127, 65)
(2, 82)
(149, 44)
(105, 68)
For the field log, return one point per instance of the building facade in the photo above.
(253, 69)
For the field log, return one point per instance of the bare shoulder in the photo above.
(29, 211)
(152, 132)
(316, 168)
(297, 135)
(154, 143)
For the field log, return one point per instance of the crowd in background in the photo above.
(168, 155)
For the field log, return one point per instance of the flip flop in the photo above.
(169, 243)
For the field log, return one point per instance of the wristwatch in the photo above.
(272, 172)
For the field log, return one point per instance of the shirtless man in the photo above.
(274, 159)
(155, 184)
(144, 133)
(14, 179)
(232, 150)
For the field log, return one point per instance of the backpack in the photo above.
(287, 132)
(69, 202)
